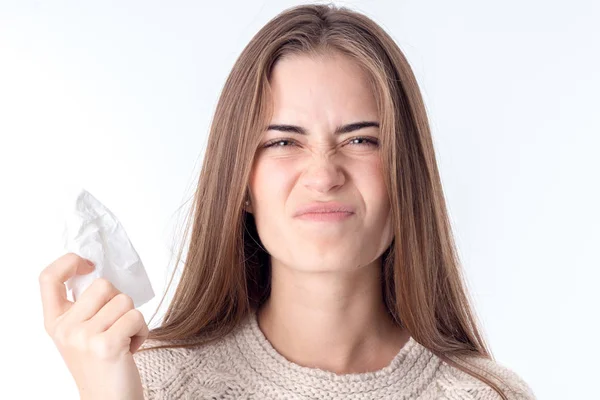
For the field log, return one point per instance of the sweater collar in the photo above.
(408, 374)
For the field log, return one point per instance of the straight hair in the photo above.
(227, 271)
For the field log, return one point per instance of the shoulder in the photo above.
(464, 386)
(158, 367)
(170, 371)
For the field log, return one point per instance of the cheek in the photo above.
(269, 183)
(371, 185)
(370, 182)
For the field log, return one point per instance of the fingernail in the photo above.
(89, 262)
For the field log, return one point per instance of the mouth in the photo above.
(336, 209)
(326, 216)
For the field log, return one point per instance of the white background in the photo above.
(117, 96)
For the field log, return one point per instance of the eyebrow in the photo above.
(338, 131)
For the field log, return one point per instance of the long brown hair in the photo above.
(227, 271)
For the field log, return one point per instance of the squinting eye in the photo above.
(366, 142)
(275, 143)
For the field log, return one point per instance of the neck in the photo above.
(336, 321)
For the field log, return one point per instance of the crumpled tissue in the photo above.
(92, 231)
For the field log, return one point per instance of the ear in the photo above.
(247, 204)
(247, 207)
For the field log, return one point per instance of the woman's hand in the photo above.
(97, 334)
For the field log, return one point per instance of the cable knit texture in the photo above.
(244, 365)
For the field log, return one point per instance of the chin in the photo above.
(324, 264)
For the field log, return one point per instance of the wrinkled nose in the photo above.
(322, 175)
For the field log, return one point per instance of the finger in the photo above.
(52, 287)
(93, 298)
(110, 313)
(139, 339)
(130, 326)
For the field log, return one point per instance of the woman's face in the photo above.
(318, 95)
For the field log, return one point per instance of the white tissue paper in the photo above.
(92, 231)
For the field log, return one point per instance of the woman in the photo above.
(321, 263)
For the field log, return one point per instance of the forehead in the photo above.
(331, 87)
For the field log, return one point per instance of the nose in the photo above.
(322, 175)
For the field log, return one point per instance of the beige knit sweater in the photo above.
(244, 365)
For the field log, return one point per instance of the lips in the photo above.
(324, 208)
